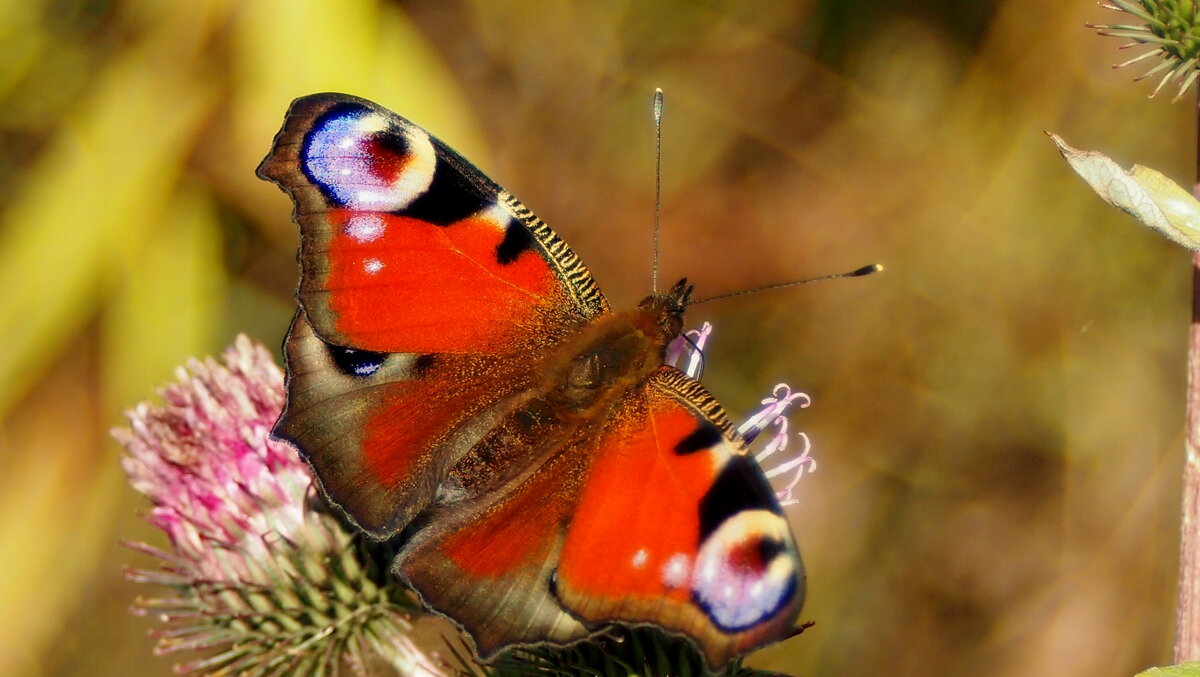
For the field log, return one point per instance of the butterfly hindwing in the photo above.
(657, 515)
(407, 247)
(488, 563)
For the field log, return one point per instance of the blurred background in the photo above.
(997, 417)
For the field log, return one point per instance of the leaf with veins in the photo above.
(1143, 193)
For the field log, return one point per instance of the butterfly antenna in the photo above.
(865, 270)
(658, 109)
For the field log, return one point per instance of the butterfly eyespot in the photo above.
(743, 576)
(359, 161)
(357, 363)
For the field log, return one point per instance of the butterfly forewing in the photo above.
(407, 247)
(422, 281)
(381, 430)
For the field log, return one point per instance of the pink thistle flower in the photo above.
(773, 413)
(264, 579)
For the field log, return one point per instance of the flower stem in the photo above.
(1187, 631)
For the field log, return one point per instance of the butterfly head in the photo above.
(667, 309)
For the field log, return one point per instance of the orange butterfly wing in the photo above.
(407, 247)
(427, 293)
(655, 515)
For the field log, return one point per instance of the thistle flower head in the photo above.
(1171, 28)
(261, 578)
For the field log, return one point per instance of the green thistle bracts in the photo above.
(1172, 27)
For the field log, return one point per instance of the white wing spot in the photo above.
(371, 198)
(639, 558)
(496, 215)
(675, 571)
(365, 228)
(372, 266)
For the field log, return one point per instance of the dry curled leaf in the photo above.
(1144, 193)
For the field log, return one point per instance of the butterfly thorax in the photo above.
(616, 352)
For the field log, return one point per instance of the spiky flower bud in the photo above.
(1172, 27)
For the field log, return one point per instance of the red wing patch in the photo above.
(698, 544)
(396, 282)
(407, 247)
(616, 546)
(511, 534)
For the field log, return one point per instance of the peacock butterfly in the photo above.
(454, 370)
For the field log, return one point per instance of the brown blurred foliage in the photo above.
(997, 416)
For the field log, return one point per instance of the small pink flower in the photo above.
(773, 413)
(692, 344)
